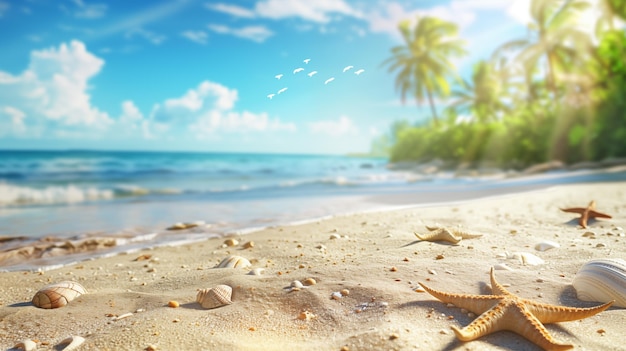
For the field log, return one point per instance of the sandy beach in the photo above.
(374, 256)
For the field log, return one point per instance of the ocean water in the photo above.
(127, 199)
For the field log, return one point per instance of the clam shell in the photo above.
(73, 342)
(234, 262)
(26, 345)
(602, 280)
(215, 297)
(546, 245)
(526, 258)
(57, 295)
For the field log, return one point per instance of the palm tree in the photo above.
(483, 96)
(609, 9)
(553, 37)
(424, 59)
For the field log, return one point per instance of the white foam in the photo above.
(17, 195)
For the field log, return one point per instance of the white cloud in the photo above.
(314, 11)
(89, 10)
(254, 33)
(4, 7)
(50, 98)
(233, 10)
(210, 108)
(53, 89)
(15, 122)
(335, 128)
(152, 37)
(197, 36)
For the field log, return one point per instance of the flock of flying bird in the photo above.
(311, 74)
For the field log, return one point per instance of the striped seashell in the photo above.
(57, 295)
(215, 297)
(234, 262)
(602, 280)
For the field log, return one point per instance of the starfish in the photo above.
(586, 213)
(505, 311)
(444, 234)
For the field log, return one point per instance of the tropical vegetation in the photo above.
(557, 94)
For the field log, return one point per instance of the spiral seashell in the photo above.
(215, 297)
(57, 295)
(234, 262)
(602, 280)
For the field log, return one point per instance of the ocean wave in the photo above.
(20, 195)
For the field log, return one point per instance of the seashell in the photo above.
(234, 262)
(336, 295)
(502, 267)
(73, 342)
(57, 295)
(26, 345)
(602, 280)
(526, 258)
(296, 284)
(256, 271)
(248, 245)
(546, 245)
(334, 236)
(309, 281)
(215, 297)
(231, 242)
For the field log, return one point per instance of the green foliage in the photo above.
(424, 61)
(575, 111)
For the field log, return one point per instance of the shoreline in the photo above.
(374, 255)
(50, 252)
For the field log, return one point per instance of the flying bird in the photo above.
(298, 70)
(282, 90)
(347, 68)
(359, 71)
(278, 76)
(329, 80)
(270, 96)
(312, 74)
(306, 61)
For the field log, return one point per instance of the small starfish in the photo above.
(586, 213)
(444, 234)
(505, 311)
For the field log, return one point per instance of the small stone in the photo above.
(248, 245)
(344, 292)
(335, 236)
(309, 282)
(393, 269)
(393, 336)
(173, 304)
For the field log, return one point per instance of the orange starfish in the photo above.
(505, 311)
(586, 213)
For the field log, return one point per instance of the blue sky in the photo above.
(195, 75)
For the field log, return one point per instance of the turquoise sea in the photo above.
(134, 196)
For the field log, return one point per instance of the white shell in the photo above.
(526, 258)
(57, 295)
(602, 280)
(502, 267)
(546, 245)
(26, 345)
(234, 262)
(73, 342)
(215, 297)
(256, 271)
